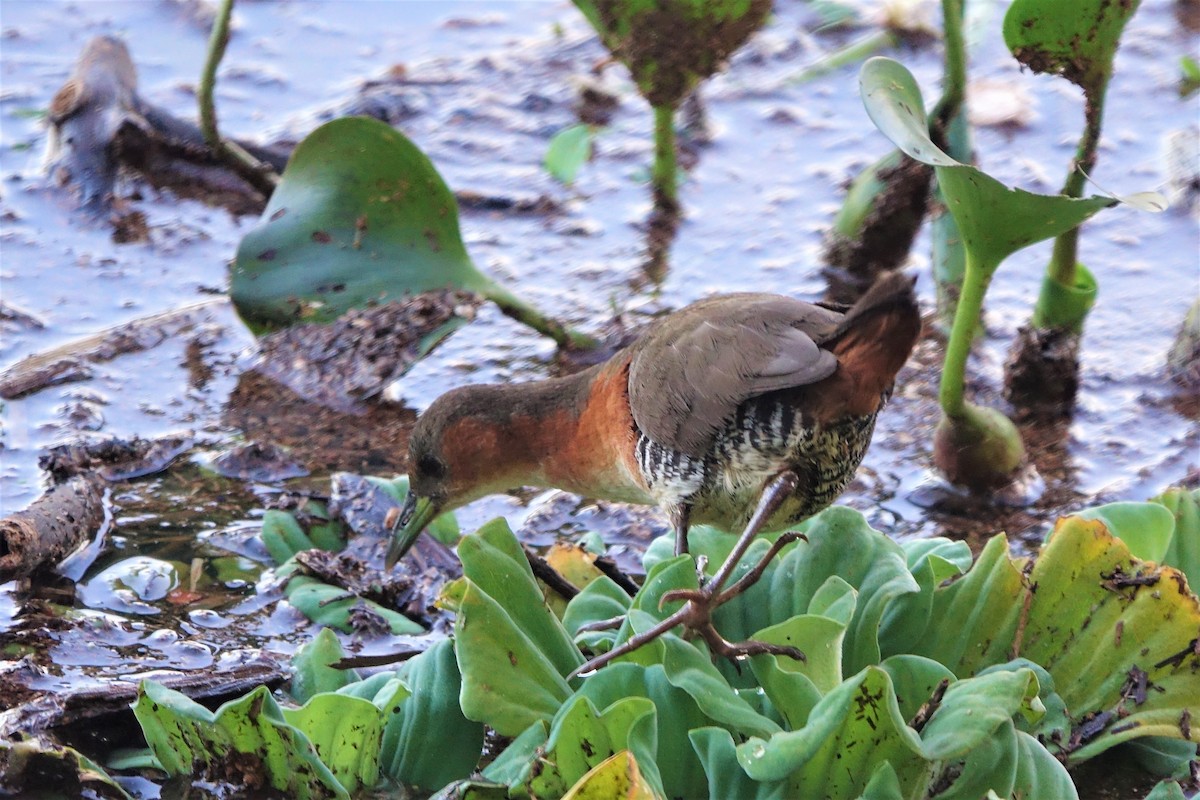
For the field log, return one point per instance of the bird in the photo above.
(749, 412)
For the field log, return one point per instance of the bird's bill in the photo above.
(416, 514)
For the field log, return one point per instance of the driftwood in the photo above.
(99, 124)
(69, 362)
(51, 710)
(52, 527)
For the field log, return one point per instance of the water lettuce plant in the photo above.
(925, 677)
(974, 446)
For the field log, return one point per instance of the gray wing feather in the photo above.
(693, 370)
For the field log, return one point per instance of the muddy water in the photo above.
(489, 84)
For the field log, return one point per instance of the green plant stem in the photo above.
(259, 175)
(663, 174)
(516, 308)
(970, 303)
(955, 67)
(1066, 247)
(856, 51)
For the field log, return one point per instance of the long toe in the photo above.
(736, 651)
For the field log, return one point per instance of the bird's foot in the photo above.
(612, 623)
(696, 616)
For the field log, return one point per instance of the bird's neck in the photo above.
(561, 433)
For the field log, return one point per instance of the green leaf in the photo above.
(914, 679)
(1145, 528)
(283, 536)
(619, 776)
(1078, 45)
(718, 755)
(569, 150)
(332, 606)
(346, 732)
(1184, 551)
(493, 560)
(1101, 623)
(703, 33)
(186, 736)
(973, 709)
(444, 527)
(360, 216)
(851, 731)
(1167, 790)
(680, 774)
(508, 682)
(995, 221)
(311, 670)
(600, 600)
(582, 737)
(427, 741)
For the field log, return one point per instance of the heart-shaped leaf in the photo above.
(360, 216)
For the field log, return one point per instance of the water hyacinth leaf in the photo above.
(311, 670)
(856, 727)
(428, 742)
(582, 737)
(1145, 528)
(1079, 46)
(493, 560)
(569, 150)
(703, 34)
(894, 103)
(508, 682)
(677, 713)
(994, 220)
(186, 736)
(334, 607)
(718, 754)
(360, 216)
(617, 778)
(346, 732)
(1104, 625)
(1183, 552)
(283, 536)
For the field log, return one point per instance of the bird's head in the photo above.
(461, 449)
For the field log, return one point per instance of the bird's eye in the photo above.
(431, 466)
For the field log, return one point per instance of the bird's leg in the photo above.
(696, 614)
(679, 521)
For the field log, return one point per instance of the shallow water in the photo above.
(502, 78)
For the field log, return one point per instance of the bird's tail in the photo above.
(890, 293)
(878, 333)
